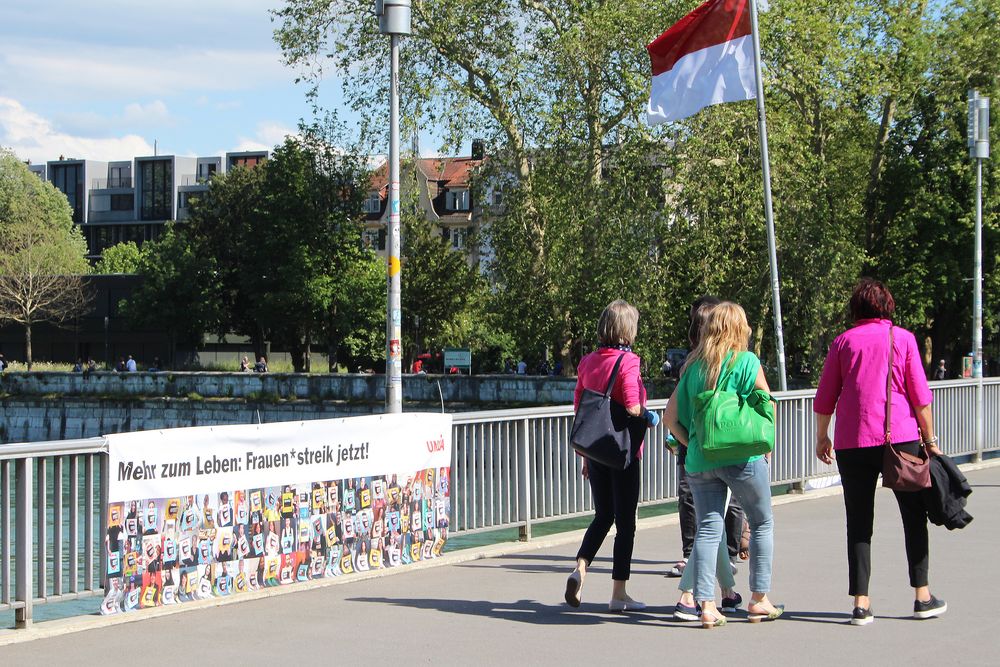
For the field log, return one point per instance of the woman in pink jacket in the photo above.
(615, 492)
(854, 383)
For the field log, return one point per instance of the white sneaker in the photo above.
(628, 604)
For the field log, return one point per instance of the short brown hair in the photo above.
(871, 299)
(618, 324)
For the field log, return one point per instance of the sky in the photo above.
(105, 80)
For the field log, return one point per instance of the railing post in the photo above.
(805, 461)
(525, 479)
(23, 592)
(103, 509)
(980, 421)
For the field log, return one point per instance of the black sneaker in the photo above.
(732, 604)
(929, 609)
(682, 612)
(861, 616)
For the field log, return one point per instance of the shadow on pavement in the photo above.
(535, 613)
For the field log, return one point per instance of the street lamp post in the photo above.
(979, 150)
(393, 20)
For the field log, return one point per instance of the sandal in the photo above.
(678, 569)
(715, 620)
(757, 617)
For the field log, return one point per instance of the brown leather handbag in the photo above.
(901, 471)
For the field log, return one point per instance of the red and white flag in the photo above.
(705, 58)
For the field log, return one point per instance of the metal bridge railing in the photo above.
(51, 549)
(510, 469)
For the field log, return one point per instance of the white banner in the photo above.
(208, 511)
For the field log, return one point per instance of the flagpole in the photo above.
(768, 212)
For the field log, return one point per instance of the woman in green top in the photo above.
(721, 357)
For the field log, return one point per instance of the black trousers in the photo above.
(616, 497)
(685, 507)
(859, 471)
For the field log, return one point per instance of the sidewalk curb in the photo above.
(75, 624)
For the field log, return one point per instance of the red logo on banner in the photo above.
(436, 445)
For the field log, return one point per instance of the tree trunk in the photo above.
(27, 343)
(308, 360)
(873, 233)
(297, 353)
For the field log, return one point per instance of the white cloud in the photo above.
(267, 135)
(154, 113)
(134, 115)
(88, 71)
(34, 138)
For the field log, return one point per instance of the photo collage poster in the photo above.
(173, 549)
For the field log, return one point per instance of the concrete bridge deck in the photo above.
(509, 609)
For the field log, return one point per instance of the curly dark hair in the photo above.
(871, 299)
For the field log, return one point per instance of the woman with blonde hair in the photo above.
(615, 492)
(722, 360)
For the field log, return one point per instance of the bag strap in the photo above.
(614, 374)
(888, 393)
(719, 379)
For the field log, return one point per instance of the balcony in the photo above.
(194, 179)
(111, 183)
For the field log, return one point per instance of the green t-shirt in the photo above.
(740, 378)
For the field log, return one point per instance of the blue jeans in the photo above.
(750, 483)
(723, 570)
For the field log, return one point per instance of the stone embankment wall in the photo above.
(59, 406)
(32, 419)
(484, 389)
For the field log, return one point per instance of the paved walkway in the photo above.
(509, 609)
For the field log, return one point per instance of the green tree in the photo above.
(926, 207)
(355, 320)
(42, 253)
(179, 293)
(304, 240)
(866, 116)
(120, 258)
(277, 253)
(518, 71)
(438, 287)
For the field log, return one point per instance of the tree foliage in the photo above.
(120, 258)
(42, 253)
(278, 249)
(866, 112)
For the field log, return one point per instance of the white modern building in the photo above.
(132, 200)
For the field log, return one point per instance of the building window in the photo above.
(458, 200)
(68, 178)
(134, 233)
(100, 203)
(373, 204)
(245, 161)
(373, 239)
(185, 199)
(122, 202)
(119, 177)
(157, 186)
(497, 197)
(206, 171)
(459, 237)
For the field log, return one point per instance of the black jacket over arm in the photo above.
(945, 500)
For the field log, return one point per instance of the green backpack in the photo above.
(730, 427)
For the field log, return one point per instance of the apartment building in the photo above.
(445, 193)
(131, 200)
